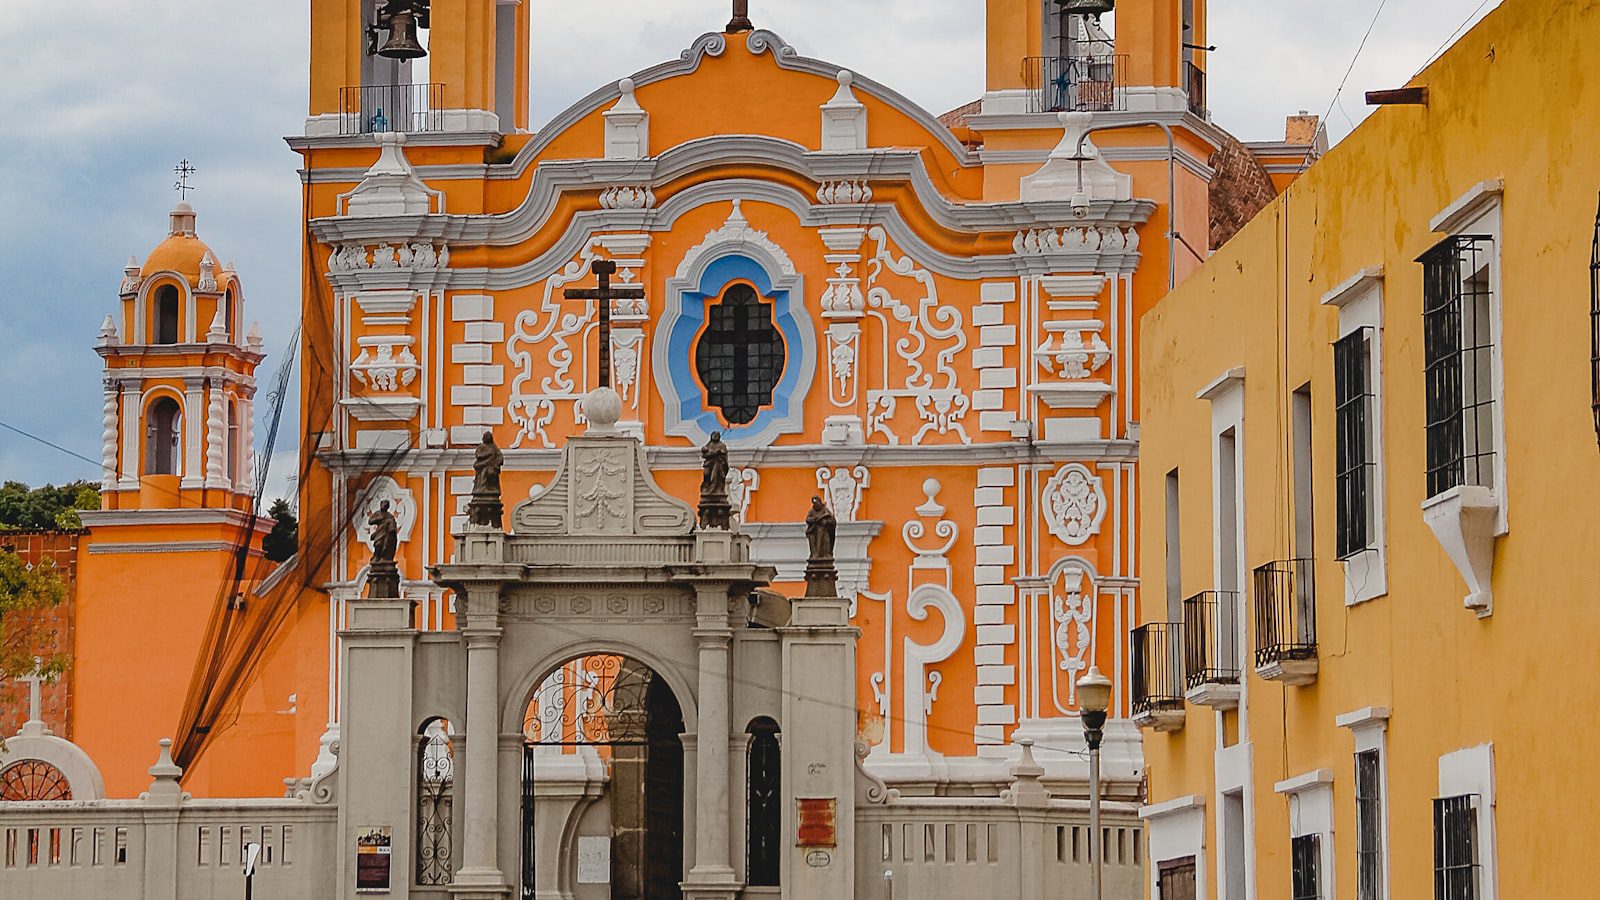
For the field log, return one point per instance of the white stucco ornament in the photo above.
(1074, 504)
(602, 407)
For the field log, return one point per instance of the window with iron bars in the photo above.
(1369, 826)
(1355, 450)
(1305, 854)
(1458, 349)
(1455, 848)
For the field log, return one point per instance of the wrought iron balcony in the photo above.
(1157, 669)
(1286, 621)
(1194, 84)
(1211, 648)
(1081, 83)
(376, 108)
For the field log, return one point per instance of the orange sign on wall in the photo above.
(816, 822)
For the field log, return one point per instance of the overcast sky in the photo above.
(103, 97)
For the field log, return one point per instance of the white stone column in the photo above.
(480, 865)
(132, 427)
(216, 437)
(246, 476)
(108, 437)
(712, 877)
(194, 411)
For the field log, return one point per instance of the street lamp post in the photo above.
(1094, 698)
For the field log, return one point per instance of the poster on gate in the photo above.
(373, 856)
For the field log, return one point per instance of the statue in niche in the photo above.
(383, 576)
(485, 509)
(715, 510)
(821, 527)
(385, 532)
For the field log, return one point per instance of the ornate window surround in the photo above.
(733, 252)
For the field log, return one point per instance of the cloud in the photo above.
(104, 97)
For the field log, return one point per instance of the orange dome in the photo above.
(182, 251)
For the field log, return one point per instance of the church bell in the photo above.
(402, 18)
(1094, 8)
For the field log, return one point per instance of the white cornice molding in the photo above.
(1306, 782)
(1222, 385)
(1468, 207)
(108, 518)
(1366, 717)
(687, 458)
(1352, 288)
(1172, 807)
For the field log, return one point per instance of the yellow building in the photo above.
(1368, 479)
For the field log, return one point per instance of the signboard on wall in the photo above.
(374, 853)
(816, 822)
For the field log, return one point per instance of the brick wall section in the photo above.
(1240, 188)
(56, 699)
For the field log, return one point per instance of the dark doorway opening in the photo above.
(621, 708)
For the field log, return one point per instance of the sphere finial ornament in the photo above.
(602, 407)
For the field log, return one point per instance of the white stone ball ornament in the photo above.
(602, 407)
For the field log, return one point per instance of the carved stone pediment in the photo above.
(603, 488)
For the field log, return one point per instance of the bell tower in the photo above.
(417, 65)
(1036, 45)
(179, 381)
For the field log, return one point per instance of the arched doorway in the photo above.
(615, 710)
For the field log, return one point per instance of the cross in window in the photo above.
(603, 269)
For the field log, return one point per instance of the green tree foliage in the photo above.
(284, 538)
(26, 593)
(47, 507)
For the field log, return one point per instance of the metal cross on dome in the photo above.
(604, 294)
(184, 169)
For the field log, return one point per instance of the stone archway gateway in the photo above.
(602, 783)
(610, 656)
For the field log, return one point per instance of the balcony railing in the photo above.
(376, 108)
(1211, 647)
(1286, 620)
(1157, 669)
(1082, 83)
(1194, 83)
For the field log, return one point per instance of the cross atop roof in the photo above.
(35, 703)
(183, 169)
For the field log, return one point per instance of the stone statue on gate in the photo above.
(383, 576)
(484, 508)
(715, 510)
(822, 579)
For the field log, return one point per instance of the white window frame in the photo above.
(1471, 771)
(1176, 829)
(1369, 727)
(1359, 300)
(1311, 814)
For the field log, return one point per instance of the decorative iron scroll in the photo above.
(34, 779)
(590, 700)
(436, 766)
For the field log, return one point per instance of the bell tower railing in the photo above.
(378, 108)
(1079, 83)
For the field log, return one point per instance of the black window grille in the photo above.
(1369, 826)
(1354, 416)
(1458, 349)
(1210, 638)
(764, 824)
(1177, 879)
(435, 781)
(1305, 854)
(1594, 324)
(740, 356)
(1455, 848)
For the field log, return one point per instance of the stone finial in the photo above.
(602, 407)
(130, 275)
(34, 726)
(218, 332)
(1026, 787)
(627, 126)
(844, 118)
(391, 187)
(164, 775)
(208, 273)
(1075, 170)
(253, 339)
(108, 333)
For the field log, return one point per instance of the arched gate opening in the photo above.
(616, 711)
